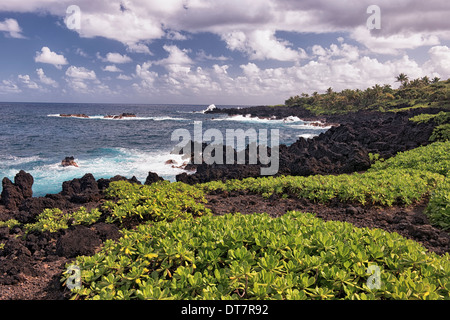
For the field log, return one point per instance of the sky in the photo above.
(245, 52)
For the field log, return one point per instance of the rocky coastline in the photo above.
(344, 148)
(31, 263)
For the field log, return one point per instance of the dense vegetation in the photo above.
(417, 93)
(238, 256)
(172, 247)
(403, 179)
(160, 201)
(387, 187)
(297, 256)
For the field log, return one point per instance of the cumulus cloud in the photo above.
(50, 57)
(77, 77)
(123, 77)
(147, 77)
(247, 24)
(111, 68)
(202, 56)
(11, 28)
(27, 82)
(439, 61)
(80, 73)
(138, 48)
(175, 35)
(9, 86)
(339, 65)
(252, 28)
(115, 57)
(44, 79)
(393, 44)
(261, 45)
(178, 59)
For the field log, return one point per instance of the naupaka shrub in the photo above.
(384, 187)
(159, 201)
(235, 256)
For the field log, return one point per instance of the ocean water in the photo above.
(35, 138)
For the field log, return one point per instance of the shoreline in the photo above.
(31, 265)
(344, 148)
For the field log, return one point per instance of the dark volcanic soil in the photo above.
(31, 264)
(409, 222)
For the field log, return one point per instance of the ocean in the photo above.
(35, 138)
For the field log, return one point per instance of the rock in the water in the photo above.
(73, 115)
(69, 161)
(121, 116)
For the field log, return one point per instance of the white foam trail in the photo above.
(308, 126)
(101, 117)
(7, 161)
(308, 135)
(249, 118)
(168, 118)
(211, 107)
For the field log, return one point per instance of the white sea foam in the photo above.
(249, 118)
(211, 107)
(102, 117)
(8, 160)
(309, 126)
(307, 135)
(48, 178)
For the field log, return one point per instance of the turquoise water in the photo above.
(34, 138)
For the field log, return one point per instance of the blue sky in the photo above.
(204, 51)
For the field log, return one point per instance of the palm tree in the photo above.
(387, 88)
(435, 79)
(377, 90)
(426, 80)
(329, 90)
(415, 83)
(402, 78)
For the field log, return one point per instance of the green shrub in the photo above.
(441, 133)
(52, 220)
(159, 201)
(82, 216)
(439, 118)
(296, 256)
(11, 223)
(438, 208)
(433, 158)
(383, 187)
